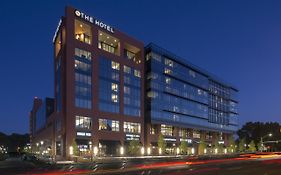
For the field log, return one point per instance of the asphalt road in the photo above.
(269, 164)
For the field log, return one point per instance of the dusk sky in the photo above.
(239, 41)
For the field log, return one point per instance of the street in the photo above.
(247, 164)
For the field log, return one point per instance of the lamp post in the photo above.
(267, 135)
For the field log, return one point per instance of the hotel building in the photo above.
(109, 89)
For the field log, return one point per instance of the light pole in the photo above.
(267, 135)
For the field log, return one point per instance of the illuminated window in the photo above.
(108, 43)
(83, 54)
(169, 62)
(114, 98)
(115, 65)
(129, 55)
(153, 129)
(168, 80)
(82, 122)
(168, 71)
(167, 130)
(114, 87)
(127, 69)
(152, 94)
(132, 127)
(82, 32)
(137, 73)
(108, 125)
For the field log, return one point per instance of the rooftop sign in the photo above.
(93, 21)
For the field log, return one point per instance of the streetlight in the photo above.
(267, 135)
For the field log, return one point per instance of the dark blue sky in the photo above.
(239, 41)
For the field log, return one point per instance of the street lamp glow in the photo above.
(122, 150)
(42, 142)
(270, 134)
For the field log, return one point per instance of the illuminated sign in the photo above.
(93, 21)
(132, 137)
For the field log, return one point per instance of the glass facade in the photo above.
(109, 85)
(182, 95)
(132, 91)
(83, 79)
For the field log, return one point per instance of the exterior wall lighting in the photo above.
(216, 151)
(122, 150)
(71, 150)
(148, 151)
(96, 151)
(178, 150)
(42, 142)
(160, 151)
(225, 151)
(205, 151)
(142, 150)
(192, 150)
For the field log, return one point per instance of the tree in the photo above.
(252, 146)
(231, 145)
(257, 130)
(134, 147)
(161, 143)
(202, 146)
(215, 146)
(242, 143)
(75, 148)
(260, 147)
(183, 144)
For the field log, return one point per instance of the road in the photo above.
(251, 164)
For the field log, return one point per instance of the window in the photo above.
(196, 134)
(137, 73)
(168, 80)
(153, 129)
(127, 90)
(169, 62)
(83, 122)
(132, 127)
(108, 125)
(114, 98)
(182, 132)
(167, 130)
(83, 54)
(130, 55)
(115, 65)
(127, 69)
(192, 73)
(108, 43)
(82, 32)
(114, 87)
(168, 71)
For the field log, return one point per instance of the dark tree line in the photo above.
(253, 131)
(14, 141)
